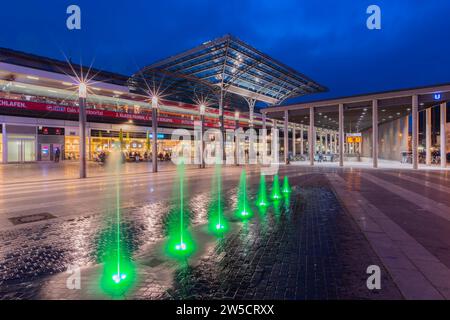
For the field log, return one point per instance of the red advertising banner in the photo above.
(45, 107)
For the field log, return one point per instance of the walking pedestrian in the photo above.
(57, 154)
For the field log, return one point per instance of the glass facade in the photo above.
(72, 148)
(132, 144)
(21, 148)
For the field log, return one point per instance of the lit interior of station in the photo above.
(224, 84)
(344, 127)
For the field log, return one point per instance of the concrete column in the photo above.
(443, 135)
(320, 138)
(274, 126)
(236, 139)
(202, 142)
(286, 137)
(333, 145)
(293, 141)
(335, 142)
(316, 138)
(415, 131)
(311, 136)
(301, 140)
(82, 128)
(375, 133)
(428, 135)
(332, 141)
(155, 138)
(5, 144)
(264, 125)
(341, 135)
(322, 141)
(251, 109)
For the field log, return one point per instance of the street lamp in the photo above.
(82, 90)
(154, 102)
(155, 133)
(82, 94)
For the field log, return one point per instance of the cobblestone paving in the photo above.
(310, 249)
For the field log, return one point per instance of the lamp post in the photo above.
(443, 134)
(311, 137)
(286, 137)
(155, 133)
(202, 128)
(82, 94)
(236, 137)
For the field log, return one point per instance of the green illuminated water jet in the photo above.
(119, 276)
(180, 243)
(118, 272)
(286, 187)
(262, 201)
(243, 206)
(218, 225)
(276, 193)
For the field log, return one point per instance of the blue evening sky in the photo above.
(326, 40)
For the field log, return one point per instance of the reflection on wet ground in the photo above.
(304, 248)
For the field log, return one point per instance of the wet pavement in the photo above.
(69, 169)
(316, 246)
(304, 251)
(307, 248)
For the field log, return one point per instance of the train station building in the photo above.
(223, 84)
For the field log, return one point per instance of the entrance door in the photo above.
(21, 150)
(45, 152)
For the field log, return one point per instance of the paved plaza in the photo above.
(315, 245)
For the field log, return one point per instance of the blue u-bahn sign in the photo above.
(158, 136)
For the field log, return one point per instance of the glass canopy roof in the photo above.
(229, 66)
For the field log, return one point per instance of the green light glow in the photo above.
(287, 201)
(217, 224)
(180, 244)
(180, 249)
(243, 206)
(276, 193)
(118, 275)
(286, 187)
(118, 269)
(277, 210)
(262, 193)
